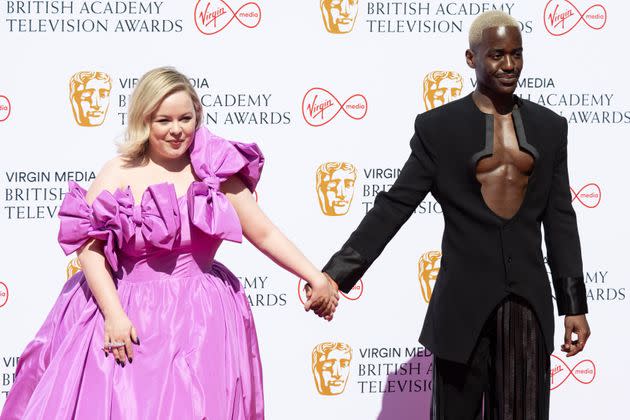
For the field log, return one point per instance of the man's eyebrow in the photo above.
(502, 50)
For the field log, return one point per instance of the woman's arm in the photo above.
(265, 236)
(97, 273)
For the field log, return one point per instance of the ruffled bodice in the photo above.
(163, 222)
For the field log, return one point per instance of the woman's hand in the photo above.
(119, 335)
(322, 296)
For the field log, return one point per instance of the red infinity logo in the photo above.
(212, 17)
(584, 375)
(4, 294)
(354, 294)
(319, 107)
(589, 195)
(5, 108)
(561, 16)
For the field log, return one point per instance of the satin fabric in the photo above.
(198, 355)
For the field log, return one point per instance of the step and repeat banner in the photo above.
(329, 89)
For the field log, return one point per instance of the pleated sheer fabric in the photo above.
(507, 377)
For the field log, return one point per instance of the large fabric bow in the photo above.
(157, 217)
(214, 160)
(81, 222)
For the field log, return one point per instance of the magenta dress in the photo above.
(198, 356)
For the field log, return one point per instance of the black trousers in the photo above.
(507, 376)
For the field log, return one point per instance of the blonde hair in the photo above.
(491, 19)
(146, 98)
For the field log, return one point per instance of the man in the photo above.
(89, 97)
(498, 167)
(335, 187)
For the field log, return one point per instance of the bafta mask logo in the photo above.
(5, 108)
(331, 367)
(74, 266)
(335, 187)
(339, 15)
(89, 97)
(428, 269)
(441, 87)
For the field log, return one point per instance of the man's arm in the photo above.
(564, 253)
(391, 210)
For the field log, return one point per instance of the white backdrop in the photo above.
(276, 53)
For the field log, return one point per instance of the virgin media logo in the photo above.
(319, 107)
(4, 294)
(213, 16)
(354, 294)
(583, 372)
(5, 108)
(589, 195)
(561, 16)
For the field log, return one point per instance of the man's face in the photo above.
(333, 372)
(339, 15)
(91, 101)
(498, 59)
(443, 91)
(337, 190)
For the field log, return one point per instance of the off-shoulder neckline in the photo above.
(170, 185)
(129, 192)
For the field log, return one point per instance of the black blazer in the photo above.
(484, 257)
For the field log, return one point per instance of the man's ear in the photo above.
(470, 58)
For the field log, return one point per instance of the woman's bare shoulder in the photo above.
(110, 178)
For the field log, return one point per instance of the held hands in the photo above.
(323, 296)
(575, 324)
(119, 334)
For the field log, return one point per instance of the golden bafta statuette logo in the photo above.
(428, 269)
(441, 87)
(339, 15)
(74, 266)
(335, 187)
(331, 367)
(89, 97)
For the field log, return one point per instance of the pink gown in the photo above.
(198, 356)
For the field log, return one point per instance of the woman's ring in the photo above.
(114, 344)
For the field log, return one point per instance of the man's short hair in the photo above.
(491, 19)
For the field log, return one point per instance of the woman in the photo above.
(177, 323)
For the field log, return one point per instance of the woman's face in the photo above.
(172, 126)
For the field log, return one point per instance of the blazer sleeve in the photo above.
(391, 210)
(562, 239)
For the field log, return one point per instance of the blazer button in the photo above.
(509, 260)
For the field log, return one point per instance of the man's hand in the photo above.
(575, 324)
(322, 297)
